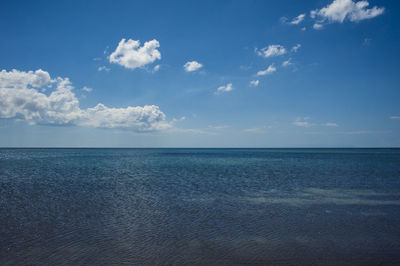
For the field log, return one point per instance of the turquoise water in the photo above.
(199, 206)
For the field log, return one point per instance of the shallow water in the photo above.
(199, 206)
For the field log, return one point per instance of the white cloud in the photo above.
(313, 13)
(267, 71)
(287, 62)
(142, 119)
(20, 79)
(395, 117)
(296, 47)
(131, 55)
(87, 89)
(302, 122)
(331, 125)
(219, 127)
(198, 131)
(298, 19)
(317, 26)
(103, 68)
(271, 50)
(228, 87)
(254, 83)
(364, 132)
(20, 99)
(192, 66)
(156, 68)
(341, 10)
(303, 29)
(253, 130)
(262, 129)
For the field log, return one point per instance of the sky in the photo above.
(320, 73)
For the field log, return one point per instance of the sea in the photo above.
(199, 206)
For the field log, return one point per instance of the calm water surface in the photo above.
(199, 206)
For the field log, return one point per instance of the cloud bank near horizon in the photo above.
(23, 96)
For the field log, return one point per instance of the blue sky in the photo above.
(317, 73)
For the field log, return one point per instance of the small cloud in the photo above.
(303, 29)
(296, 47)
(97, 59)
(364, 132)
(192, 66)
(287, 62)
(330, 125)
(254, 83)
(219, 127)
(267, 71)
(261, 129)
(228, 87)
(318, 26)
(253, 130)
(271, 50)
(175, 120)
(313, 13)
(196, 131)
(131, 55)
(302, 122)
(295, 21)
(395, 117)
(156, 68)
(298, 19)
(103, 68)
(87, 89)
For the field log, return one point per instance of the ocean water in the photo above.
(199, 206)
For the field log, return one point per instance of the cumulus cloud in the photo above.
(228, 87)
(271, 50)
(131, 55)
(142, 119)
(254, 83)
(271, 69)
(20, 79)
(298, 19)
(20, 98)
(341, 10)
(192, 66)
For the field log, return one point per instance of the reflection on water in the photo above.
(199, 206)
